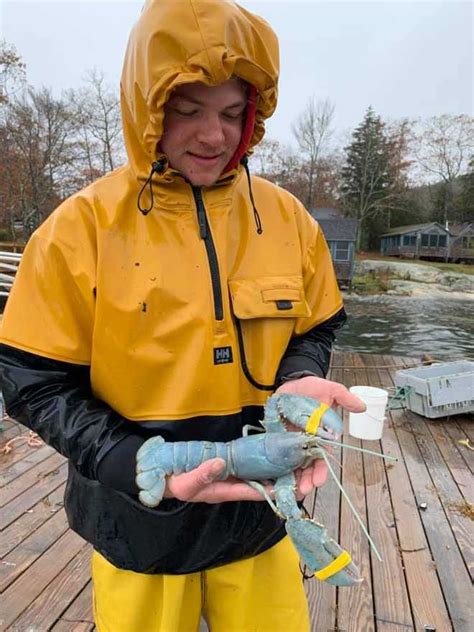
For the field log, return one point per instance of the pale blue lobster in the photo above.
(271, 455)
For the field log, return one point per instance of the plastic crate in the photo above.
(440, 389)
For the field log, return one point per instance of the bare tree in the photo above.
(312, 131)
(267, 158)
(105, 121)
(40, 130)
(444, 146)
(12, 80)
(96, 110)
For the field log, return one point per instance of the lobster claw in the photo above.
(321, 554)
(307, 413)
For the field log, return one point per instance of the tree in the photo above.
(12, 71)
(12, 79)
(40, 131)
(371, 176)
(312, 131)
(444, 146)
(465, 201)
(96, 111)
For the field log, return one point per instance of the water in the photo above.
(410, 326)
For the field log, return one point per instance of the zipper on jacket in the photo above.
(206, 236)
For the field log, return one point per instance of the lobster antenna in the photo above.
(354, 447)
(354, 511)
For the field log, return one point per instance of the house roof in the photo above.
(460, 228)
(412, 228)
(325, 213)
(340, 228)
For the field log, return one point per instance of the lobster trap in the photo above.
(438, 390)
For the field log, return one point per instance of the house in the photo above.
(461, 248)
(340, 233)
(417, 241)
(454, 242)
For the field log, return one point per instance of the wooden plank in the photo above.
(31, 520)
(21, 484)
(15, 430)
(324, 506)
(18, 596)
(30, 549)
(426, 597)
(355, 610)
(460, 471)
(46, 609)
(21, 461)
(466, 424)
(71, 626)
(30, 497)
(447, 490)
(457, 435)
(8, 422)
(80, 610)
(392, 606)
(455, 580)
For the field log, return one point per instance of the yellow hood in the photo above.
(183, 41)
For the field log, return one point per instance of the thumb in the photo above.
(349, 401)
(187, 485)
(208, 471)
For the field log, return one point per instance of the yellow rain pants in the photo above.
(261, 594)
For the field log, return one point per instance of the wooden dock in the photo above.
(418, 511)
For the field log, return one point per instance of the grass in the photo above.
(376, 282)
(458, 268)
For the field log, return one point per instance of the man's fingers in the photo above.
(186, 486)
(310, 477)
(348, 400)
(319, 473)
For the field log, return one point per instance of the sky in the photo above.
(404, 58)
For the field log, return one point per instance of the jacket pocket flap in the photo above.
(269, 297)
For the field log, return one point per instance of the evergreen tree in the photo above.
(368, 182)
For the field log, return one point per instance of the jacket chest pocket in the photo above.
(265, 311)
(269, 297)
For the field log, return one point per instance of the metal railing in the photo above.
(9, 262)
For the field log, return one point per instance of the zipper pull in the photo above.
(201, 212)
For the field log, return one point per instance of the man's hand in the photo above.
(200, 485)
(333, 394)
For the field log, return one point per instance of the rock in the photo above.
(411, 279)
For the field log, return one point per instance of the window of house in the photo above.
(433, 241)
(340, 250)
(409, 240)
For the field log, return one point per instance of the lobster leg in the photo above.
(321, 554)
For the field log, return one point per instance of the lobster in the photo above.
(273, 454)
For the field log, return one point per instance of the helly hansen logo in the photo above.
(223, 355)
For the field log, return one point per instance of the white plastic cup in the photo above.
(369, 424)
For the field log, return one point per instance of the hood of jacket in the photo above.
(184, 41)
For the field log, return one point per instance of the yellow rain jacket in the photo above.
(178, 320)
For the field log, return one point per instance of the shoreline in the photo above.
(410, 280)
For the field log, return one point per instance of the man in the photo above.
(177, 319)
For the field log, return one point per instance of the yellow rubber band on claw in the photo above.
(315, 419)
(341, 561)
